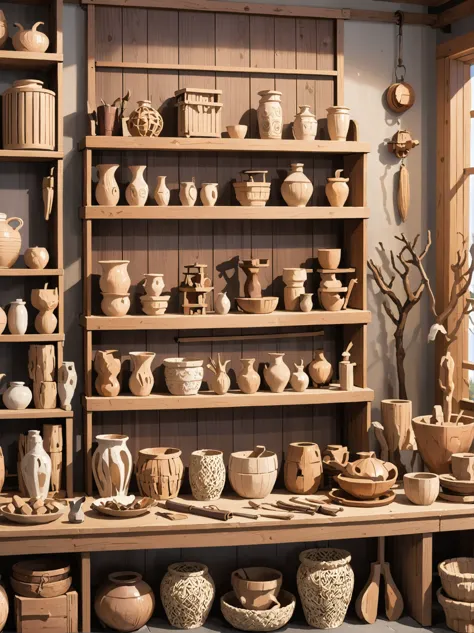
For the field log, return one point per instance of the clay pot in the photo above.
(159, 472)
(306, 302)
(161, 193)
(207, 474)
(337, 190)
(107, 192)
(3, 39)
(303, 468)
(277, 373)
(329, 258)
(141, 380)
(115, 305)
(3, 320)
(257, 588)
(320, 369)
(209, 193)
(251, 192)
(125, 603)
(188, 194)
(4, 606)
(187, 592)
(145, 120)
(36, 467)
(17, 317)
(112, 465)
(462, 465)
(10, 240)
(252, 474)
(154, 306)
(136, 192)
(32, 40)
(237, 131)
(299, 380)
(154, 284)
(421, 488)
(108, 123)
(183, 376)
(369, 467)
(17, 397)
(114, 278)
(222, 303)
(297, 188)
(438, 442)
(36, 257)
(338, 122)
(248, 379)
(108, 368)
(305, 126)
(270, 115)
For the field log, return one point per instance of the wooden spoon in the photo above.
(367, 602)
(393, 597)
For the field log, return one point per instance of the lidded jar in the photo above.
(270, 114)
(297, 188)
(305, 126)
(126, 602)
(29, 116)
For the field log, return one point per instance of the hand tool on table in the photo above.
(293, 507)
(245, 515)
(277, 513)
(176, 506)
(367, 602)
(322, 508)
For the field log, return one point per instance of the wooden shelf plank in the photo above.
(34, 414)
(29, 272)
(223, 213)
(237, 320)
(16, 60)
(31, 338)
(209, 400)
(25, 155)
(174, 144)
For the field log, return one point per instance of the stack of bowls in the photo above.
(456, 595)
(41, 578)
(154, 303)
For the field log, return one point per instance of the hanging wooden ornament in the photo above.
(400, 145)
(400, 95)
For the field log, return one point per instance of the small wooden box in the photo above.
(48, 615)
(199, 112)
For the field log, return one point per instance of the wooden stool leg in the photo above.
(86, 592)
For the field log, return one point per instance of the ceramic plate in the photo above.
(456, 498)
(339, 496)
(457, 485)
(121, 514)
(32, 519)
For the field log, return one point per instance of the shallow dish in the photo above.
(41, 590)
(32, 519)
(457, 578)
(365, 489)
(122, 514)
(258, 305)
(457, 485)
(248, 620)
(342, 497)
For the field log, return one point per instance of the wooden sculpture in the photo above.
(346, 370)
(22, 440)
(41, 370)
(408, 259)
(53, 444)
(67, 383)
(253, 302)
(199, 112)
(45, 300)
(400, 145)
(220, 382)
(303, 468)
(195, 287)
(48, 194)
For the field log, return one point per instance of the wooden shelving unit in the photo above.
(35, 164)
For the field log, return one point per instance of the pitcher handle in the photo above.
(20, 223)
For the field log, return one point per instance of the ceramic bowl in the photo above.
(41, 590)
(457, 485)
(422, 489)
(260, 305)
(237, 131)
(257, 588)
(457, 578)
(329, 258)
(365, 488)
(248, 620)
(154, 306)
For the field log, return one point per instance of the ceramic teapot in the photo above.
(31, 40)
(10, 240)
(370, 467)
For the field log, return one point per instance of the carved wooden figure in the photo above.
(53, 443)
(48, 194)
(107, 366)
(67, 383)
(41, 370)
(446, 383)
(45, 300)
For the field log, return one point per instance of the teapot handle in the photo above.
(35, 26)
(20, 223)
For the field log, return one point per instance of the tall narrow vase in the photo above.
(270, 114)
(107, 192)
(162, 193)
(112, 465)
(141, 381)
(136, 193)
(36, 467)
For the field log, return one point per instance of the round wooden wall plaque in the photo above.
(400, 97)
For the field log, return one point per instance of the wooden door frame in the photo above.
(452, 185)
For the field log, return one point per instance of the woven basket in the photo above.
(325, 584)
(457, 578)
(268, 620)
(207, 474)
(187, 592)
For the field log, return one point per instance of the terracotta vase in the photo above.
(187, 593)
(108, 368)
(112, 465)
(303, 468)
(141, 380)
(67, 383)
(222, 303)
(248, 379)
(188, 194)
(162, 193)
(207, 474)
(183, 376)
(338, 122)
(4, 606)
(115, 305)
(337, 190)
(45, 300)
(115, 278)
(209, 193)
(10, 240)
(36, 257)
(36, 467)
(306, 302)
(30, 40)
(154, 284)
(159, 472)
(3, 39)
(277, 373)
(3, 320)
(17, 396)
(136, 192)
(297, 188)
(220, 381)
(299, 380)
(29, 116)
(107, 192)
(320, 369)
(270, 114)
(305, 126)
(124, 603)
(145, 120)
(17, 317)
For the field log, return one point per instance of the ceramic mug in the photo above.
(462, 465)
